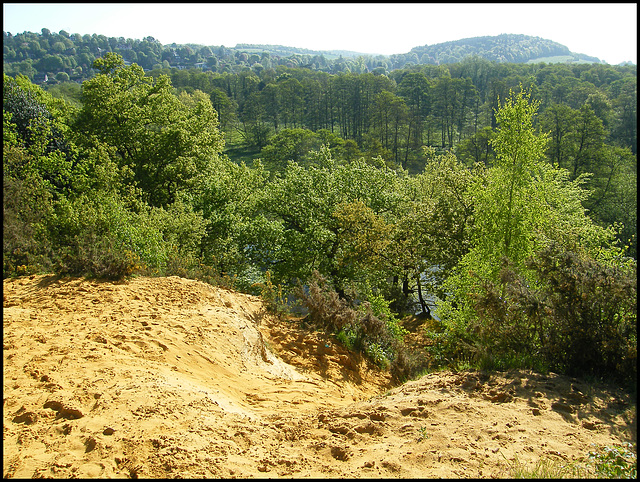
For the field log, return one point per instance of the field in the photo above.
(559, 59)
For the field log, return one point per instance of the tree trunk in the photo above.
(426, 311)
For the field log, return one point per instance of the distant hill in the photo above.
(283, 51)
(504, 48)
(50, 58)
(501, 48)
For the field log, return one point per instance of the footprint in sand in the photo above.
(161, 345)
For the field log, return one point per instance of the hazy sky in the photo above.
(604, 30)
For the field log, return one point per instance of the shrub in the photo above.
(25, 245)
(273, 296)
(381, 309)
(327, 311)
(371, 328)
(88, 237)
(576, 315)
(590, 309)
(100, 236)
(97, 257)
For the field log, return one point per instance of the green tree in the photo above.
(414, 88)
(613, 199)
(446, 104)
(227, 202)
(40, 124)
(586, 141)
(289, 145)
(225, 108)
(433, 226)
(558, 120)
(523, 206)
(271, 101)
(624, 98)
(477, 148)
(50, 63)
(254, 130)
(390, 115)
(308, 219)
(505, 214)
(291, 100)
(167, 143)
(62, 77)
(40, 167)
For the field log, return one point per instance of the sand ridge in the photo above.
(169, 377)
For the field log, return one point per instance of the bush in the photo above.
(26, 204)
(590, 311)
(97, 257)
(327, 311)
(273, 296)
(576, 316)
(99, 236)
(371, 328)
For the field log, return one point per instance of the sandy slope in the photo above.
(168, 377)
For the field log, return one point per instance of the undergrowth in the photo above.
(608, 462)
(564, 312)
(368, 327)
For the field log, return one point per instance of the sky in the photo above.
(607, 31)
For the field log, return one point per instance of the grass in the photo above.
(547, 469)
(236, 149)
(240, 154)
(617, 462)
(424, 434)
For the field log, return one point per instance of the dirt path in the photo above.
(168, 377)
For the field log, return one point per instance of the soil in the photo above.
(170, 377)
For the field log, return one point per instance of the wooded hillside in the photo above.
(56, 57)
(505, 48)
(501, 197)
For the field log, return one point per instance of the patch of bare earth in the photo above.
(169, 377)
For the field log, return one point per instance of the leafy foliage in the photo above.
(26, 206)
(130, 178)
(70, 208)
(304, 220)
(433, 227)
(591, 314)
(165, 143)
(617, 462)
(371, 328)
(273, 296)
(540, 280)
(578, 316)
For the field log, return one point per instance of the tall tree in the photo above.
(167, 143)
(523, 206)
(414, 88)
(624, 95)
(505, 216)
(310, 219)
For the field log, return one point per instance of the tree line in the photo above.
(49, 57)
(590, 112)
(133, 180)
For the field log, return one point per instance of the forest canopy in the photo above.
(498, 199)
(50, 57)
